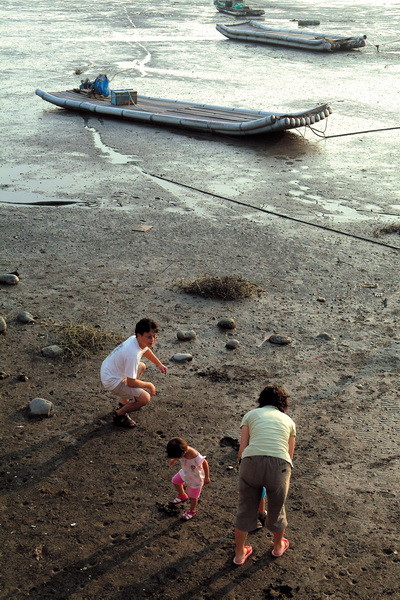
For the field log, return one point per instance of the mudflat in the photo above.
(84, 504)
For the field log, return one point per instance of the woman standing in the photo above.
(265, 456)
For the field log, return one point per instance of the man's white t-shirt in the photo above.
(123, 362)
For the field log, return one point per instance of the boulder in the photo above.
(181, 358)
(8, 279)
(52, 351)
(186, 336)
(232, 344)
(281, 340)
(227, 323)
(40, 406)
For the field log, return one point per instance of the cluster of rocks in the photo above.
(190, 335)
(231, 344)
(37, 406)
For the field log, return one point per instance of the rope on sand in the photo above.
(326, 137)
(276, 214)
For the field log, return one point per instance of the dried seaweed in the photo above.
(81, 340)
(222, 288)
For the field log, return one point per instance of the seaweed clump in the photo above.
(222, 288)
(81, 340)
(387, 229)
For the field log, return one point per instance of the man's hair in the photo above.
(176, 447)
(274, 395)
(145, 326)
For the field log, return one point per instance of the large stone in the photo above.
(8, 279)
(281, 340)
(232, 344)
(227, 323)
(40, 406)
(52, 351)
(3, 325)
(181, 358)
(25, 317)
(185, 336)
(325, 336)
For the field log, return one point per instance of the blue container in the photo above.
(123, 97)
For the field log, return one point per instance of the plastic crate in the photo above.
(123, 97)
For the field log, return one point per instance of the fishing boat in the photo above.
(237, 9)
(189, 115)
(254, 31)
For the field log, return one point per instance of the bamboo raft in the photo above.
(191, 115)
(228, 7)
(254, 31)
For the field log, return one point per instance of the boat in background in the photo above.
(237, 9)
(253, 31)
(187, 115)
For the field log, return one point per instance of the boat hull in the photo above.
(191, 115)
(254, 31)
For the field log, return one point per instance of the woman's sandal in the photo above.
(124, 421)
(189, 514)
(179, 499)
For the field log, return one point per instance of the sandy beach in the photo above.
(82, 501)
(102, 220)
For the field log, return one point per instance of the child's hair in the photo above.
(274, 395)
(145, 326)
(176, 447)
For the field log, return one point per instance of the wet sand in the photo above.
(82, 501)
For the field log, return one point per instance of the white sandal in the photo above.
(179, 499)
(189, 514)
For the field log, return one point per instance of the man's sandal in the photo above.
(124, 421)
(189, 514)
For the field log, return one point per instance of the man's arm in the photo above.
(153, 358)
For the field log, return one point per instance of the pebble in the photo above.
(281, 340)
(321, 299)
(23, 378)
(232, 344)
(52, 351)
(182, 357)
(40, 406)
(25, 317)
(227, 324)
(186, 336)
(325, 336)
(4, 374)
(8, 278)
(3, 325)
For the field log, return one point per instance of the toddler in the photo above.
(194, 474)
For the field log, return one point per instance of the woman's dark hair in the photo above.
(274, 395)
(145, 326)
(176, 447)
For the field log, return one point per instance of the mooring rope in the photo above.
(326, 137)
(272, 212)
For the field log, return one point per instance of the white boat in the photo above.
(254, 31)
(190, 115)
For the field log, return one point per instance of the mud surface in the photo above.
(83, 504)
